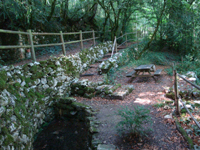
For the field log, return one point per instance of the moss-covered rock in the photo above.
(3, 79)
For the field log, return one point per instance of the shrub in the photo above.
(133, 119)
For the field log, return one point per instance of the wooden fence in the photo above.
(177, 97)
(31, 45)
(115, 46)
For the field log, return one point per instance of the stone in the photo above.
(197, 103)
(196, 147)
(168, 117)
(119, 95)
(4, 100)
(188, 131)
(57, 63)
(73, 113)
(106, 147)
(192, 79)
(166, 107)
(45, 86)
(19, 80)
(12, 127)
(190, 74)
(24, 138)
(13, 118)
(23, 83)
(37, 81)
(43, 80)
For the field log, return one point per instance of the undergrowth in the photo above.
(133, 119)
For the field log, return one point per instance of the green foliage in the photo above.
(133, 119)
(3, 79)
(158, 105)
(109, 78)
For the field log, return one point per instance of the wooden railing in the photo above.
(177, 97)
(61, 34)
(115, 46)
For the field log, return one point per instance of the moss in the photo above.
(13, 91)
(59, 84)
(88, 95)
(170, 95)
(34, 69)
(43, 63)
(17, 85)
(116, 87)
(48, 91)
(184, 134)
(27, 80)
(37, 75)
(90, 90)
(80, 92)
(79, 104)
(3, 79)
(9, 139)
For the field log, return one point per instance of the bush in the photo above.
(134, 119)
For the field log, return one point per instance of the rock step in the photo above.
(87, 74)
(122, 92)
(106, 147)
(94, 66)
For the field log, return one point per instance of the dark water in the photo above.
(63, 135)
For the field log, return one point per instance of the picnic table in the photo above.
(145, 71)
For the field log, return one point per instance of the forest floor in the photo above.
(147, 93)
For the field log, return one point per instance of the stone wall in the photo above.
(28, 93)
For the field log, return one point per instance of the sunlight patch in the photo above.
(142, 101)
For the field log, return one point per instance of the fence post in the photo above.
(126, 40)
(21, 50)
(176, 93)
(81, 39)
(32, 45)
(116, 44)
(63, 43)
(93, 34)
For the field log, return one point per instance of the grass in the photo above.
(159, 105)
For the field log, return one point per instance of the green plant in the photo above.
(133, 119)
(158, 105)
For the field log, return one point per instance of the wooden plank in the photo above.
(144, 67)
(158, 72)
(63, 43)
(13, 32)
(81, 39)
(32, 45)
(130, 74)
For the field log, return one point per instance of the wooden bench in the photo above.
(130, 74)
(158, 72)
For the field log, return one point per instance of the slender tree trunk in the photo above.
(154, 34)
(53, 5)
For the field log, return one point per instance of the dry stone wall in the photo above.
(28, 93)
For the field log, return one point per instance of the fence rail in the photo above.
(62, 43)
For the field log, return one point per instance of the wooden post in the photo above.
(63, 43)
(21, 50)
(116, 45)
(93, 37)
(176, 93)
(126, 40)
(81, 39)
(32, 45)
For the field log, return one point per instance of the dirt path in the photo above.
(146, 93)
